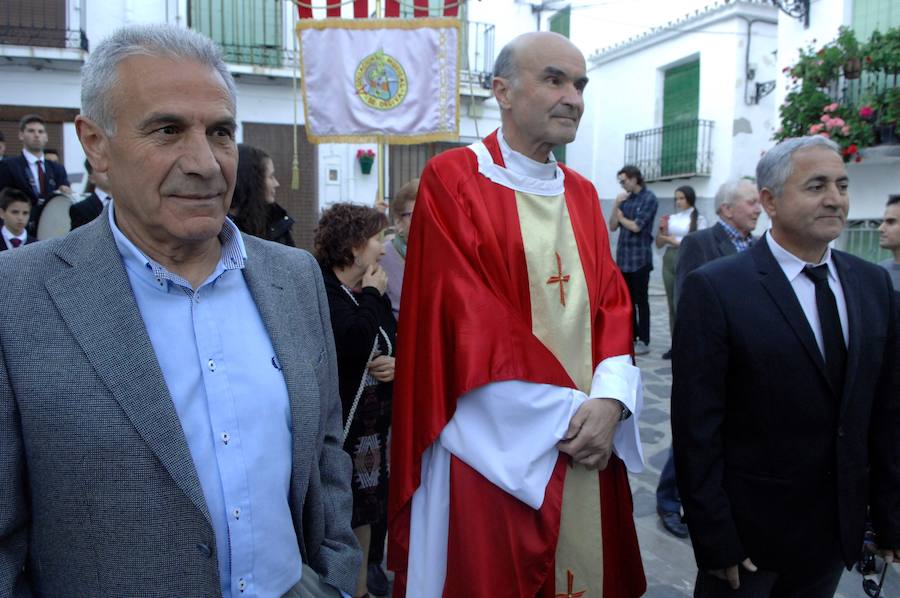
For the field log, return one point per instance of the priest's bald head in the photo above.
(539, 81)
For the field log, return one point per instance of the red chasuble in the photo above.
(466, 323)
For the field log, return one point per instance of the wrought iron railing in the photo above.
(478, 40)
(861, 239)
(674, 151)
(39, 24)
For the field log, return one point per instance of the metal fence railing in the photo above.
(860, 237)
(674, 151)
(40, 24)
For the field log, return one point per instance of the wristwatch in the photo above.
(626, 412)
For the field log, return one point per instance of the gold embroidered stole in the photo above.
(560, 315)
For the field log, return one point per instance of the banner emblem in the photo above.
(381, 81)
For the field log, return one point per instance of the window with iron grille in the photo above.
(249, 31)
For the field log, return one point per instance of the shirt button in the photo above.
(242, 585)
(212, 365)
(840, 431)
(225, 437)
(236, 513)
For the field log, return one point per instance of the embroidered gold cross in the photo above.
(559, 279)
(570, 582)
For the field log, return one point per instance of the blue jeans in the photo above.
(667, 499)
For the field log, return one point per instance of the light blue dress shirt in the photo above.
(226, 382)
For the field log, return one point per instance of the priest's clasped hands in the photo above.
(590, 435)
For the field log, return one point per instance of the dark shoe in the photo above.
(376, 580)
(667, 354)
(673, 524)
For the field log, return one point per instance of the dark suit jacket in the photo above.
(701, 247)
(773, 464)
(82, 212)
(14, 172)
(99, 493)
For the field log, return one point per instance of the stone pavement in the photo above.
(669, 561)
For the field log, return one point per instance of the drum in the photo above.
(54, 221)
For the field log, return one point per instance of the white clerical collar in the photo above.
(792, 265)
(521, 164)
(516, 177)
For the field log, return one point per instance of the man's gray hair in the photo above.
(505, 66)
(776, 166)
(99, 75)
(728, 192)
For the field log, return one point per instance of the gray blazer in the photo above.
(99, 495)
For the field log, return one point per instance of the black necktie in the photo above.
(16, 242)
(830, 321)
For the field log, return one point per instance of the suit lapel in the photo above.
(851, 288)
(95, 300)
(779, 288)
(278, 308)
(723, 243)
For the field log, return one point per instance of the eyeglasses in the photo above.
(406, 215)
(622, 182)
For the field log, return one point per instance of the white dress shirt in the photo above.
(805, 289)
(8, 236)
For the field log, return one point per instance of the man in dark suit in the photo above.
(30, 173)
(738, 208)
(82, 212)
(786, 394)
(171, 426)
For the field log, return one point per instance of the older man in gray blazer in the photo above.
(169, 415)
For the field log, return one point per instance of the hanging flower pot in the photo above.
(366, 159)
(852, 68)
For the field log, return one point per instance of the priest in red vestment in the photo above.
(516, 399)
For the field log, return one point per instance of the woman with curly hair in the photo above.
(253, 206)
(349, 245)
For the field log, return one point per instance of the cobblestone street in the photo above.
(669, 561)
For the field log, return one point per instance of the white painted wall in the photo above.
(625, 96)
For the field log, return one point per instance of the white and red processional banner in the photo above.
(392, 80)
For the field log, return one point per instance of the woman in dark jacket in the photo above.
(253, 206)
(348, 246)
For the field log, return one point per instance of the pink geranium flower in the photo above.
(866, 112)
(831, 107)
(816, 129)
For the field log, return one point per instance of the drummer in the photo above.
(30, 172)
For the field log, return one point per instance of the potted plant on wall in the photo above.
(849, 45)
(366, 159)
(889, 117)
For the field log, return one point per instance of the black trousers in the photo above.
(822, 582)
(637, 283)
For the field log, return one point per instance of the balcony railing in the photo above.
(675, 151)
(860, 238)
(478, 39)
(39, 24)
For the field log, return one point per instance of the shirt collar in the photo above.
(733, 232)
(31, 157)
(792, 266)
(102, 195)
(233, 255)
(522, 164)
(7, 234)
